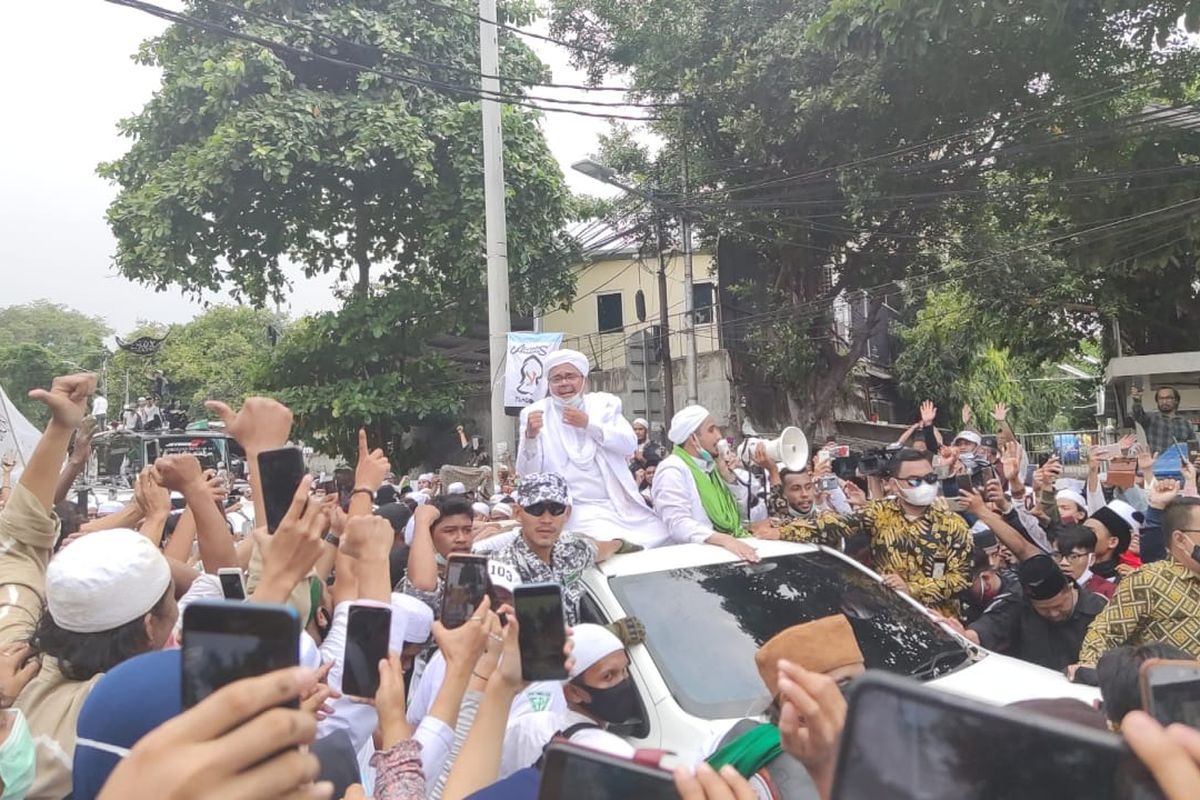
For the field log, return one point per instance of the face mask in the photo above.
(1068, 519)
(17, 759)
(921, 496)
(616, 704)
(575, 402)
(705, 456)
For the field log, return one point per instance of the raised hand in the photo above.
(367, 538)
(707, 784)
(928, 413)
(18, 666)
(260, 424)
(533, 426)
(67, 398)
(373, 466)
(1000, 412)
(1010, 460)
(1163, 492)
(967, 413)
(390, 703)
(297, 543)
(178, 472)
(811, 720)
(575, 418)
(151, 496)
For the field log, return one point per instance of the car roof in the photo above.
(660, 559)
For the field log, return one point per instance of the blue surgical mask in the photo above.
(18, 759)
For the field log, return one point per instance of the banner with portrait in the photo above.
(524, 367)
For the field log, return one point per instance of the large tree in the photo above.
(869, 145)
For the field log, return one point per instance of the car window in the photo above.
(704, 625)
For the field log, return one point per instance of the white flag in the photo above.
(17, 434)
(524, 367)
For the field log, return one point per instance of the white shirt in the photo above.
(99, 406)
(527, 736)
(677, 500)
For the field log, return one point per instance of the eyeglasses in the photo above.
(570, 377)
(1069, 556)
(917, 480)
(538, 509)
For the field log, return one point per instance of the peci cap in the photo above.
(1041, 578)
(105, 580)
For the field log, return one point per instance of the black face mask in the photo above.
(615, 705)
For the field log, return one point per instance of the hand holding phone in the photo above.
(543, 632)
(233, 585)
(368, 632)
(1171, 691)
(224, 642)
(280, 472)
(465, 588)
(569, 768)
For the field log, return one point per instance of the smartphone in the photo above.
(991, 442)
(904, 741)
(568, 769)
(368, 630)
(543, 636)
(1043, 458)
(466, 586)
(1171, 691)
(1028, 476)
(827, 483)
(224, 642)
(280, 471)
(950, 486)
(152, 451)
(980, 478)
(233, 585)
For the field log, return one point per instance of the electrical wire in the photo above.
(445, 88)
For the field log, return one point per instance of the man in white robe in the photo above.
(583, 437)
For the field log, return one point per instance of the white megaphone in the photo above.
(789, 449)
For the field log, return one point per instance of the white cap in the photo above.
(425, 476)
(456, 488)
(1073, 484)
(108, 507)
(642, 422)
(970, 436)
(481, 508)
(685, 423)
(104, 580)
(1128, 513)
(592, 643)
(503, 508)
(412, 621)
(1072, 495)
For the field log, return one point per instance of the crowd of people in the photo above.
(1089, 578)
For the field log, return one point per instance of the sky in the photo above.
(63, 98)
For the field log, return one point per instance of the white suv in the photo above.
(706, 614)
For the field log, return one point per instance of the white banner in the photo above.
(17, 434)
(524, 367)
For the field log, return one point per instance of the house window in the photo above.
(702, 303)
(608, 312)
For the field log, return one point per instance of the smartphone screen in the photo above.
(368, 630)
(225, 642)
(1171, 691)
(543, 632)
(980, 478)
(571, 771)
(281, 471)
(963, 483)
(152, 451)
(904, 741)
(232, 585)
(950, 487)
(466, 586)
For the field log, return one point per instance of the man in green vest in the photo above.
(697, 497)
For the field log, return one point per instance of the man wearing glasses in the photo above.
(1076, 546)
(584, 437)
(919, 547)
(1159, 601)
(543, 553)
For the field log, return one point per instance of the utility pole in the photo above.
(495, 227)
(689, 298)
(668, 380)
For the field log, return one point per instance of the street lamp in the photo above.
(606, 174)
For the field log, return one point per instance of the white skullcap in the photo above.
(1074, 484)
(573, 357)
(481, 508)
(108, 507)
(592, 643)
(970, 436)
(456, 488)
(1131, 515)
(503, 508)
(685, 423)
(412, 621)
(1072, 495)
(425, 476)
(104, 580)
(642, 422)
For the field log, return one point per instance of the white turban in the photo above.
(456, 488)
(104, 580)
(1072, 495)
(481, 508)
(642, 422)
(685, 423)
(573, 357)
(592, 643)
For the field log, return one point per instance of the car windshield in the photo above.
(209, 450)
(704, 625)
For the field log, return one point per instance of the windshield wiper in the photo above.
(929, 669)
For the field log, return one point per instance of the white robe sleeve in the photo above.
(673, 490)
(612, 431)
(529, 451)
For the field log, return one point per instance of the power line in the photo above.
(518, 31)
(445, 88)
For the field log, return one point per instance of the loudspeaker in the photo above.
(789, 449)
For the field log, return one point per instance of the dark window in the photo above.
(702, 302)
(608, 312)
(743, 605)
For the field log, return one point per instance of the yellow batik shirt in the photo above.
(931, 554)
(823, 527)
(1159, 602)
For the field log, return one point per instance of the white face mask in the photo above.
(921, 496)
(568, 402)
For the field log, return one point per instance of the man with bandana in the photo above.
(599, 693)
(583, 437)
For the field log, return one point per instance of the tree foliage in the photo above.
(892, 147)
(215, 356)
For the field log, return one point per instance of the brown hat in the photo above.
(819, 646)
